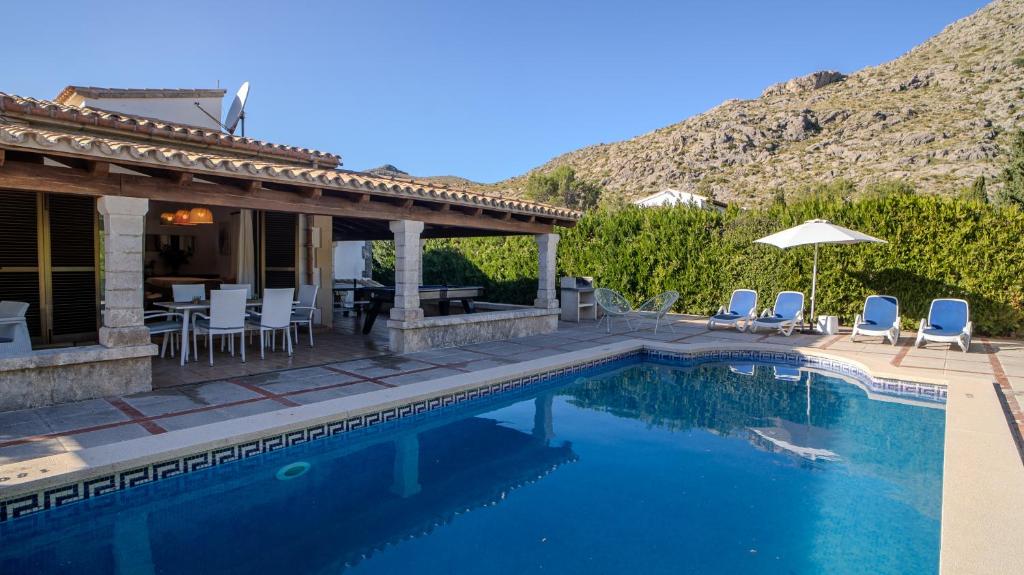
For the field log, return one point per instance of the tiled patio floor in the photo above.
(345, 363)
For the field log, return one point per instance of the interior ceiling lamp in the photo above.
(182, 218)
(167, 218)
(200, 215)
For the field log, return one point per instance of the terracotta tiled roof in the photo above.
(56, 138)
(138, 127)
(94, 92)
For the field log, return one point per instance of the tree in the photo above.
(1013, 173)
(560, 186)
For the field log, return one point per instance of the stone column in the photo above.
(324, 262)
(547, 252)
(406, 476)
(124, 223)
(408, 257)
(543, 423)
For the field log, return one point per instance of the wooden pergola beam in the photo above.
(38, 178)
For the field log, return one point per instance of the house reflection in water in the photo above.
(356, 498)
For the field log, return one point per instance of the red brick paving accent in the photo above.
(376, 380)
(136, 415)
(144, 420)
(1014, 415)
(902, 353)
(278, 398)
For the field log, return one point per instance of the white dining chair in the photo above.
(226, 319)
(304, 310)
(184, 293)
(14, 327)
(275, 314)
(166, 323)
(246, 287)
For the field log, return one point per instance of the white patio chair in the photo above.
(184, 293)
(14, 327)
(303, 310)
(949, 321)
(787, 313)
(167, 323)
(741, 311)
(275, 314)
(659, 306)
(881, 317)
(614, 304)
(247, 286)
(226, 319)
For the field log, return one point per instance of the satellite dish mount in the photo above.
(236, 113)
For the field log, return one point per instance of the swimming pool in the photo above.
(639, 465)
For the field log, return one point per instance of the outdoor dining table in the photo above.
(185, 308)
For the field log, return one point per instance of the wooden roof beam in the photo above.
(175, 177)
(23, 176)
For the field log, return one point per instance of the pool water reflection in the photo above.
(640, 466)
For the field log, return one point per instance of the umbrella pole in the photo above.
(814, 285)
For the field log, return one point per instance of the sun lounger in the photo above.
(741, 311)
(881, 317)
(784, 317)
(949, 321)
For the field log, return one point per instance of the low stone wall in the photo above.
(52, 376)
(464, 329)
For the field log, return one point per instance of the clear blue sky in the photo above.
(481, 89)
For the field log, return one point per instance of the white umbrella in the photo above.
(816, 232)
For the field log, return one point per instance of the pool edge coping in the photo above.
(983, 478)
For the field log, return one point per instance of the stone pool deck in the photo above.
(34, 433)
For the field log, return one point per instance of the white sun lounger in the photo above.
(784, 317)
(949, 321)
(881, 317)
(741, 311)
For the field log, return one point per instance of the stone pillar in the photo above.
(408, 256)
(124, 223)
(406, 478)
(323, 266)
(543, 424)
(547, 252)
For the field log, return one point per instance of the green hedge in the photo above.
(938, 247)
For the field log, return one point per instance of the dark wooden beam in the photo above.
(182, 178)
(313, 193)
(21, 176)
(2, 156)
(98, 168)
(363, 199)
(406, 203)
(444, 207)
(252, 186)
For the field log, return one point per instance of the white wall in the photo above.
(348, 260)
(173, 110)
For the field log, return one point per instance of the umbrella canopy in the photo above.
(816, 232)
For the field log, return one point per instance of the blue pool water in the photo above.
(638, 467)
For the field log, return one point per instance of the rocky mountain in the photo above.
(938, 116)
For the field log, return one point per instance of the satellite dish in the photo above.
(237, 110)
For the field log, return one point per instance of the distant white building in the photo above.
(670, 197)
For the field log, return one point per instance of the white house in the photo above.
(671, 197)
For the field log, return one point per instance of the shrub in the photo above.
(937, 247)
